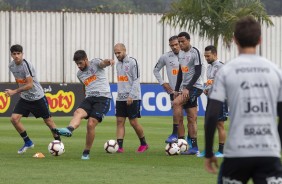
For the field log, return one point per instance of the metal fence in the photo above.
(50, 39)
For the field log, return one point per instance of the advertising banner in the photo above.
(65, 98)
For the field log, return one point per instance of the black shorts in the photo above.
(194, 93)
(224, 112)
(96, 107)
(39, 108)
(131, 111)
(262, 170)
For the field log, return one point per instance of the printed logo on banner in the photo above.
(62, 101)
(4, 102)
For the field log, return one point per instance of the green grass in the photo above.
(150, 167)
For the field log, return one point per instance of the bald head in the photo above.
(120, 46)
(120, 51)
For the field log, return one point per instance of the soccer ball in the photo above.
(111, 146)
(56, 148)
(172, 149)
(183, 145)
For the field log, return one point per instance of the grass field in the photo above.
(151, 167)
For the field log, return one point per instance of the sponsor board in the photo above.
(63, 99)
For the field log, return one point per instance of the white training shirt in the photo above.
(252, 86)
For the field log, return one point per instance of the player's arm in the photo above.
(211, 118)
(179, 79)
(106, 62)
(279, 113)
(134, 68)
(160, 64)
(28, 85)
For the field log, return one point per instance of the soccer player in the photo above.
(97, 97)
(214, 65)
(253, 88)
(32, 98)
(170, 61)
(128, 100)
(190, 85)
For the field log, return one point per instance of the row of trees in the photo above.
(273, 7)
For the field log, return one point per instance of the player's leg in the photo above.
(121, 114)
(140, 133)
(40, 109)
(181, 129)
(192, 113)
(51, 124)
(21, 109)
(178, 117)
(120, 132)
(221, 131)
(221, 138)
(100, 107)
(192, 130)
(80, 113)
(90, 135)
(133, 111)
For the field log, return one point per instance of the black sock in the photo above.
(143, 141)
(220, 147)
(194, 142)
(175, 129)
(70, 128)
(120, 143)
(86, 152)
(24, 136)
(57, 138)
(181, 137)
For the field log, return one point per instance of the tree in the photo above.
(214, 18)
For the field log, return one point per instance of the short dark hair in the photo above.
(173, 38)
(187, 36)
(211, 48)
(16, 48)
(79, 55)
(247, 32)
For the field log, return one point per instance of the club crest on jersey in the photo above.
(126, 68)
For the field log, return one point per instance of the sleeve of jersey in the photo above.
(156, 71)
(218, 90)
(96, 62)
(135, 81)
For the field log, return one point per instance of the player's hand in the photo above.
(175, 94)
(206, 92)
(111, 61)
(185, 94)
(211, 165)
(167, 88)
(129, 101)
(9, 92)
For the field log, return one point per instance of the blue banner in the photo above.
(155, 101)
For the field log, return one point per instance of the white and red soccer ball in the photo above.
(111, 146)
(183, 145)
(172, 149)
(56, 148)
